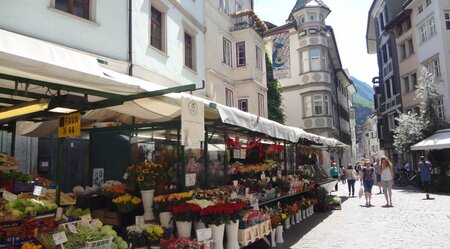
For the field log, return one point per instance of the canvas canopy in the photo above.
(439, 140)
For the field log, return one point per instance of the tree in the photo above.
(274, 100)
(412, 128)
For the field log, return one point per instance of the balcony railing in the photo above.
(247, 19)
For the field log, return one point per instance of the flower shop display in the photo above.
(254, 225)
(179, 243)
(126, 203)
(162, 203)
(146, 175)
(185, 214)
(112, 189)
(154, 234)
(137, 235)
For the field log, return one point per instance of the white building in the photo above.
(370, 144)
(431, 21)
(317, 93)
(235, 57)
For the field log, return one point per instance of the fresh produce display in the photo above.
(24, 207)
(7, 160)
(30, 246)
(71, 211)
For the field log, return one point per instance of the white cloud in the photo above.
(349, 21)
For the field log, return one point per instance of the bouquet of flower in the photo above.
(137, 236)
(179, 243)
(275, 219)
(154, 234)
(112, 189)
(162, 203)
(126, 203)
(237, 210)
(146, 175)
(223, 213)
(292, 209)
(202, 203)
(186, 212)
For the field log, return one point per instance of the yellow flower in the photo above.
(139, 169)
(140, 178)
(145, 171)
(283, 216)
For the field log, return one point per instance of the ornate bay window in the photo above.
(316, 105)
(313, 59)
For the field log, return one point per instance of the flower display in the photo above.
(162, 203)
(154, 233)
(179, 243)
(137, 236)
(113, 189)
(126, 203)
(186, 212)
(146, 175)
(202, 203)
(223, 213)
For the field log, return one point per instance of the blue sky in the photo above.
(349, 21)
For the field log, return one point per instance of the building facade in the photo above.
(387, 99)
(235, 57)
(431, 24)
(317, 92)
(370, 145)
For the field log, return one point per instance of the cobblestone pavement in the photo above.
(413, 222)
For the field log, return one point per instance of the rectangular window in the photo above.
(388, 88)
(315, 59)
(188, 51)
(78, 8)
(427, 30)
(433, 66)
(318, 105)
(156, 33)
(391, 121)
(440, 108)
(381, 132)
(307, 104)
(224, 6)
(243, 105)
(326, 103)
(240, 54)
(403, 50)
(384, 53)
(406, 84)
(305, 61)
(414, 80)
(420, 9)
(227, 53)
(229, 98)
(261, 106)
(447, 19)
(410, 46)
(259, 58)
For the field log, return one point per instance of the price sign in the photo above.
(59, 213)
(125, 176)
(59, 238)
(235, 183)
(69, 125)
(39, 191)
(204, 234)
(8, 195)
(72, 228)
(190, 180)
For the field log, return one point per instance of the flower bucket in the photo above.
(199, 225)
(292, 220)
(303, 214)
(272, 238)
(166, 219)
(287, 223)
(147, 202)
(217, 235)
(279, 234)
(232, 235)
(184, 228)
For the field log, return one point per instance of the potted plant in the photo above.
(126, 203)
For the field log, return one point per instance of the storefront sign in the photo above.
(69, 125)
(192, 123)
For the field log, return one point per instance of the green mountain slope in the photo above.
(363, 100)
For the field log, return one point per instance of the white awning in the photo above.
(439, 140)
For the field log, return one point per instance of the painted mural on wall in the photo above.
(281, 62)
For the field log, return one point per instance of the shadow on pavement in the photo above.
(295, 233)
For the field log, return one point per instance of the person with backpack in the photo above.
(425, 175)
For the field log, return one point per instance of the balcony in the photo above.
(247, 19)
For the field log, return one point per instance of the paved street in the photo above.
(413, 222)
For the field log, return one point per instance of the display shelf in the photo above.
(282, 197)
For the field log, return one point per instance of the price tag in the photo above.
(263, 176)
(59, 212)
(235, 183)
(279, 172)
(125, 176)
(204, 234)
(8, 195)
(233, 195)
(237, 154)
(190, 180)
(72, 228)
(39, 191)
(59, 238)
(86, 217)
(139, 220)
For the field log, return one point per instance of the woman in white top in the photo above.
(351, 176)
(387, 178)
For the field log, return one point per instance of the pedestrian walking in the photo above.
(351, 176)
(387, 178)
(334, 172)
(342, 174)
(368, 176)
(377, 169)
(425, 175)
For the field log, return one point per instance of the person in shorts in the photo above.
(367, 176)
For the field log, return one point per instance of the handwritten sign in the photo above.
(204, 234)
(69, 125)
(72, 228)
(59, 213)
(39, 191)
(8, 195)
(59, 238)
(190, 180)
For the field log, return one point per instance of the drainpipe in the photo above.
(130, 38)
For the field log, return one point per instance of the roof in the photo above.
(308, 3)
(439, 140)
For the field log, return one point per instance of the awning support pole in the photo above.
(59, 144)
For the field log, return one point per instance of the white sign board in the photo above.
(204, 234)
(192, 123)
(190, 180)
(39, 191)
(8, 195)
(59, 238)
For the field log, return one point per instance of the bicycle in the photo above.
(404, 179)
